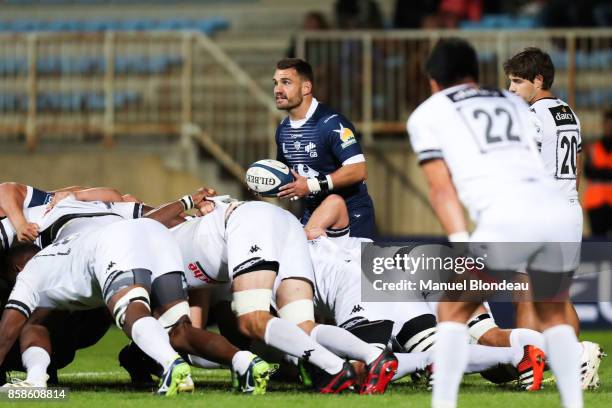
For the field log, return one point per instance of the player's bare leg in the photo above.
(130, 307)
(35, 345)
(252, 292)
(294, 300)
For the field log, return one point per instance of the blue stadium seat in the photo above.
(208, 26)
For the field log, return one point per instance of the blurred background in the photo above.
(157, 97)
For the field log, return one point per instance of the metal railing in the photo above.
(121, 86)
(376, 78)
(116, 85)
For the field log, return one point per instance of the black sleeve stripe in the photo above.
(137, 210)
(425, 155)
(335, 233)
(19, 306)
(5, 240)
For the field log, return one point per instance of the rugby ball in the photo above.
(266, 176)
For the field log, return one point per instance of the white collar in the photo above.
(311, 110)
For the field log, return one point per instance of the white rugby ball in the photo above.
(266, 176)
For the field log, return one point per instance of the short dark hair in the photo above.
(451, 61)
(303, 68)
(529, 63)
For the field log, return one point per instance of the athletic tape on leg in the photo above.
(171, 316)
(136, 294)
(252, 300)
(298, 311)
(480, 324)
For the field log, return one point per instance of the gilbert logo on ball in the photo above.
(266, 176)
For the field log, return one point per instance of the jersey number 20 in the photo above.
(567, 150)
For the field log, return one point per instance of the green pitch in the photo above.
(96, 380)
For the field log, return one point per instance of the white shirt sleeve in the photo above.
(24, 298)
(423, 137)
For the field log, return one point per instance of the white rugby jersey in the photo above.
(485, 137)
(337, 271)
(204, 246)
(58, 277)
(559, 141)
(68, 217)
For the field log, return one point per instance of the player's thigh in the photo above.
(292, 290)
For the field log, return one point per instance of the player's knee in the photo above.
(299, 312)
(130, 306)
(483, 329)
(253, 324)
(417, 334)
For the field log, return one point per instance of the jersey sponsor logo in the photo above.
(285, 149)
(468, 93)
(563, 115)
(266, 181)
(311, 149)
(347, 136)
(198, 272)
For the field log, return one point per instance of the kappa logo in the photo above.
(311, 149)
(110, 265)
(356, 309)
(254, 249)
(307, 354)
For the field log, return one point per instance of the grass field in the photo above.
(96, 380)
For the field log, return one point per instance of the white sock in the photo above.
(289, 338)
(344, 344)
(564, 359)
(484, 357)
(450, 359)
(520, 338)
(150, 336)
(203, 363)
(241, 361)
(408, 363)
(36, 360)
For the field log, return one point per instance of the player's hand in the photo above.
(128, 198)
(27, 232)
(57, 197)
(202, 205)
(297, 189)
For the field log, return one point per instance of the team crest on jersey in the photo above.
(563, 115)
(297, 144)
(347, 136)
(311, 149)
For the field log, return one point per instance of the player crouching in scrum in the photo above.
(262, 250)
(169, 300)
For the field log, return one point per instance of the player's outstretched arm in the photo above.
(12, 196)
(10, 327)
(171, 214)
(443, 197)
(349, 174)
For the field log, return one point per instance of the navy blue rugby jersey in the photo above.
(320, 146)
